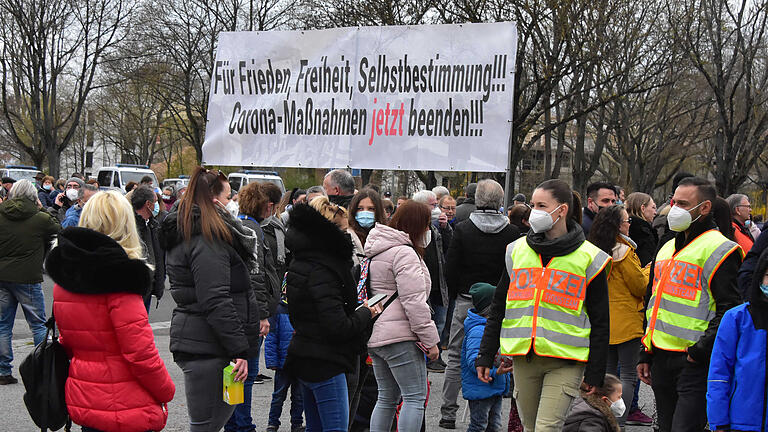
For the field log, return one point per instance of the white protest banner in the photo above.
(426, 97)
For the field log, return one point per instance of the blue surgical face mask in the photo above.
(156, 210)
(365, 218)
(764, 289)
(47, 187)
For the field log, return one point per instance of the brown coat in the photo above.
(626, 288)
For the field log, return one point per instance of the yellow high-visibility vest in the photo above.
(545, 305)
(681, 304)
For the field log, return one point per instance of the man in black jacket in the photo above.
(146, 207)
(599, 195)
(476, 254)
(679, 379)
(466, 208)
(339, 185)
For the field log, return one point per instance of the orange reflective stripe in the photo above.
(656, 292)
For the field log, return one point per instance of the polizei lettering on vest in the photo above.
(522, 284)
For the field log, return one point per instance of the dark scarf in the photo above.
(243, 238)
(560, 246)
(758, 302)
(340, 200)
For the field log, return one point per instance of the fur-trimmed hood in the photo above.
(89, 262)
(309, 231)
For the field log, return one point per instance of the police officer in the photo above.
(550, 311)
(694, 284)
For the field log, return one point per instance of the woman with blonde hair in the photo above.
(117, 380)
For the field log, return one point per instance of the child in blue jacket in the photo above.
(484, 399)
(275, 351)
(737, 389)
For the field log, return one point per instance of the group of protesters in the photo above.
(355, 299)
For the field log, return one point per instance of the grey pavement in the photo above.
(17, 419)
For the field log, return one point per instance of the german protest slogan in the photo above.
(436, 97)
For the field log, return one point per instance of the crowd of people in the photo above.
(564, 307)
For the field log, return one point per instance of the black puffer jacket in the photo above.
(216, 313)
(322, 299)
(646, 238)
(264, 278)
(149, 231)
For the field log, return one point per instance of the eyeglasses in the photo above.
(628, 220)
(749, 206)
(448, 208)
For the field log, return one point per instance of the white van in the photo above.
(18, 172)
(242, 178)
(176, 182)
(116, 177)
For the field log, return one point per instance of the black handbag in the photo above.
(44, 373)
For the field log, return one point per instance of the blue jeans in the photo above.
(400, 370)
(485, 415)
(445, 335)
(30, 296)
(284, 381)
(241, 420)
(439, 317)
(326, 404)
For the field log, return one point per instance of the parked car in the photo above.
(243, 177)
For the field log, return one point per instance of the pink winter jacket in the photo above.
(395, 266)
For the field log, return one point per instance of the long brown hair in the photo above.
(412, 218)
(362, 233)
(203, 186)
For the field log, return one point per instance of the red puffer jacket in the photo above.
(117, 380)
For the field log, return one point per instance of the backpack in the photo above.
(44, 372)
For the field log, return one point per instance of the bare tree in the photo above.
(725, 43)
(133, 111)
(51, 52)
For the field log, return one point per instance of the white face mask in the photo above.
(72, 194)
(233, 208)
(436, 214)
(541, 221)
(679, 219)
(427, 239)
(618, 408)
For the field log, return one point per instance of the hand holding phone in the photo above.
(375, 304)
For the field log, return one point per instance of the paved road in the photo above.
(16, 418)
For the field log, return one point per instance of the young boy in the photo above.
(275, 351)
(484, 399)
